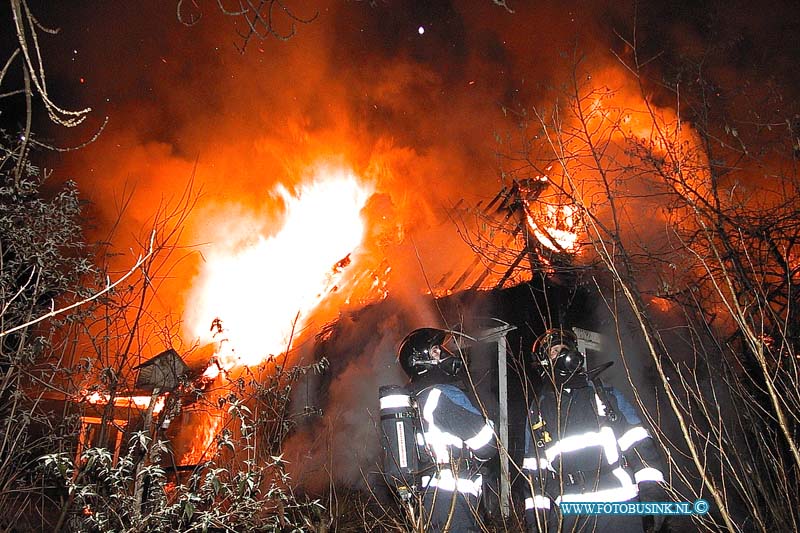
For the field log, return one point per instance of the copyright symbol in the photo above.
(701, 507)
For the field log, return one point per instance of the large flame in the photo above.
(205, 426)
(550, 215)
(557, 232)
(258, 294)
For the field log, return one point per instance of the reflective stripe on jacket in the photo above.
(453, 430)
(576, 453)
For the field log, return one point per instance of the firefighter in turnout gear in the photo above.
(453, 433)
(585, 443)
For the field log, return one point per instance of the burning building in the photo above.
(347, 328)
(351, 193)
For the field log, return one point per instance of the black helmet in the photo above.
(568, 362)
(416, 355)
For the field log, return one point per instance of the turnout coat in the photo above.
(585, 443)
(458, 438)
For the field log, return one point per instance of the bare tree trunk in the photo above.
(139, 483)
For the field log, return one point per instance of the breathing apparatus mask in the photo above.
(425, 349)
(556, 352)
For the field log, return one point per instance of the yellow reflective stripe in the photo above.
(395, 401)
(648, 474)
(531, 463)
(446, 481)
(619, 494)
(537, 502)
(436, 439)
(430, 404)
(623, 476)
(631, 437)
(482, 438)
(605, 438)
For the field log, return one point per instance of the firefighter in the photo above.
(585, 443)
(454, 433)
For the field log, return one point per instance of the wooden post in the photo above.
(146, 460)
(498, 336)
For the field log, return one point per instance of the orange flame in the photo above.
(559, 235)
(138, 402)
(259, 293)
(206, 430)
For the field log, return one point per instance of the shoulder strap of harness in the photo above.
(424, 453)
(597, 384)
(538, 427)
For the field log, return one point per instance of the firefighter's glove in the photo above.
(652, 491)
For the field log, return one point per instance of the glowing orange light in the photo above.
(139, 402)
(559, 234)
(662, 304)
(260, 290)
(212, 371)
(206, 430)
